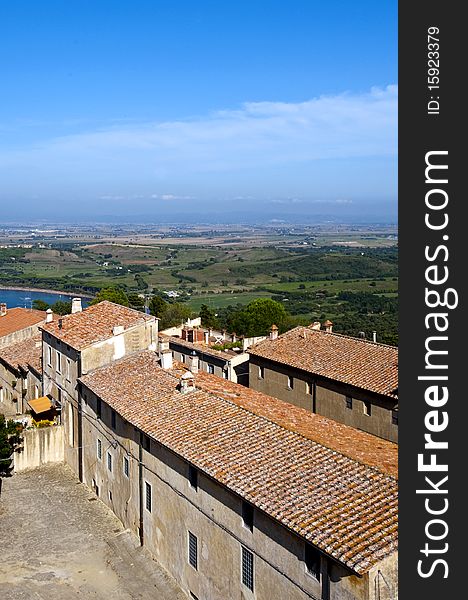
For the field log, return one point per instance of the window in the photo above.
(261, 372)
(126, 466)
(367, 408)
(225, 374)
(193, 550)
(99, 449)
(309, 388)
(148, 496)
(210, 369)
(110, 495)
(59, 362)
(312, 561)
(349, 402)
(247, 515)
(109, 461)
(71, 425)
(247, 569)
(49, 356)
(113, 419)
(290, 383)
(68, 369)
(98, 408)
(36, 391)
(193, 477)
(394, 417)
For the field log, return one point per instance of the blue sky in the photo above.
(170, 108)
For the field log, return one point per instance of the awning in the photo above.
(40, 405)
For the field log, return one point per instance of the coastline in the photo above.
(45, 291)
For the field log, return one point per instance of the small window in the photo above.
(98, 408)
(261, 372)
(312, 561)
(349, 402)
(193, 550)
(49, 356)
(225, 374)
(126, 466)
(367, 408)
(148, 501)
(291, 383)
(68, 369)
(247, 569)
(113, 419)
(193, 477)
(110, 495)
(99, 449)
(210, 369)
(247, 515)
(59, 362)
(394, 417)
(309, 388)
(109, 461)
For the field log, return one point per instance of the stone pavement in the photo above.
(58, 542)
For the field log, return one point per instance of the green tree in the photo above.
(61, 307)
(157, 306)
(174, 314)
(208, 317)
(40, 304)
(257, 317)
(10, 441)
(136, 302)
(112, 294)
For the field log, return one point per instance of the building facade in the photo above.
(234, 501)
(350, 380)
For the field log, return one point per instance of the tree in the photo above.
(208, 317)
(257, 317)
(112, 294)
(157, 306)
(136, 302)
(10, 441)
(174, 314)
(61, 307)
(40, 305)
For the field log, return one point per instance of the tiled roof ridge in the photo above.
(331, 333)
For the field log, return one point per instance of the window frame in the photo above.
(247, 568)
(99, 449)
(349, 402)
(126, 466)
(192, 550)
(109, 460)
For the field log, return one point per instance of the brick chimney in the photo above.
(193, 362)
(76, 305)
(165, 357)
(273, 332)
(328, 325)
(3, 309)
(49, 316)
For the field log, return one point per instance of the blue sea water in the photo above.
(25, 298)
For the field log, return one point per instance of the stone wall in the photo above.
(40, 446)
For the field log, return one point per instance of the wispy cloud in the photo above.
(152, 156)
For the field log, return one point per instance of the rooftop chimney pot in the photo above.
(49, 315)
(273, 332)
(3, 309)
(76, 305)
(166, 359)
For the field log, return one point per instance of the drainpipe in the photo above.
(314, 397)
(140, 485)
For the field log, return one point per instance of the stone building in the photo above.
(20, 375)
(236, 494)
(229, 364)
(17, 324)
(347, 379)
(75, 344)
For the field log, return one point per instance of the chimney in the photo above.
(273, 332)
(234, 337)
(328, 326)
(374, 336)
(193, 362)
(76, 305)
(49, 316)
(187, 382)
(316, 325)
(60, 323)
(206, 337)
(3, 309)
(117, 329)
(163, 344)
(166, 359)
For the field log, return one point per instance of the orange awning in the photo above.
(40, 405)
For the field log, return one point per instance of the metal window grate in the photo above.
(247, 569)
(193, 550)
(109, 461)
(148, 496)
(126, 466)
(99, 449)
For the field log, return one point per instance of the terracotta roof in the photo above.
(24, 353)
(201, 347)
(19, 318)
(360, 363)
(94, 324)
(346, 508)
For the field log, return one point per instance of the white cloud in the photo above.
(257, 135)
